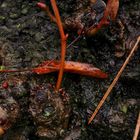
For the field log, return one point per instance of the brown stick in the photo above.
(114, 81)
(63, 43)
(137, 128)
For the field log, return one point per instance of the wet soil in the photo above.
(30, 110)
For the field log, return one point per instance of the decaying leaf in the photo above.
(112, 9)
(72, 67)
(109, 15)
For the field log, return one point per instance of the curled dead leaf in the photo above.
(72, 67)
(109, 15)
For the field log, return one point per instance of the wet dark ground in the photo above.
(27, 38)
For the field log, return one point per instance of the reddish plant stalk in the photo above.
(63, 43)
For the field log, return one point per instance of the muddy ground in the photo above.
(31, 109)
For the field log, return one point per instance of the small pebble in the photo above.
(112, 62)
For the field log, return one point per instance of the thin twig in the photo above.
(137, 128)
(63, 42)
(75, 40)
(114, 81)
(25, 70)
(69, 45)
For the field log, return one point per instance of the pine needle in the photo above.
(114, 81)
(137, 128)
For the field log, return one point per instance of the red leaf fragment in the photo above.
(72, 67)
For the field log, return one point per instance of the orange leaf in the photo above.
(72, 67)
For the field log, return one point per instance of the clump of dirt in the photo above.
(50, 111)
(28, 37)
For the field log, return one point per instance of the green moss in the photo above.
(2, 17)
(124, 109)
(2, 67)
